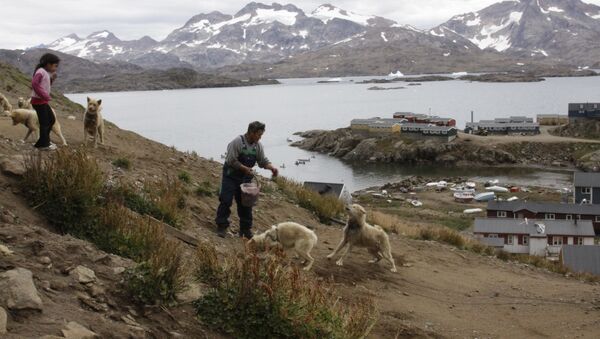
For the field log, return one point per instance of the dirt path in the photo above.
(544, 137)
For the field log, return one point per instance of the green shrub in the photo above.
(205, 189)
(160, 277)
(185, 177)
(324, 206)
(66, 188)
(260, 298)
(123, 163)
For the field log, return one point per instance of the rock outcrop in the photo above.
(18, 292)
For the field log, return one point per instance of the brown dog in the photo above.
(93, 124)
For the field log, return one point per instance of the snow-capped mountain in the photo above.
(567, 30)
(257, 33)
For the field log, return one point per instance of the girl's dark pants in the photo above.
(47, 120)
(230, 190)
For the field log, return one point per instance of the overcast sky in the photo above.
(26, 23)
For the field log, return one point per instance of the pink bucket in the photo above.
(250, 192)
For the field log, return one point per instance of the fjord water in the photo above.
(205, 120)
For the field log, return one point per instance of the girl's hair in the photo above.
(47, 59)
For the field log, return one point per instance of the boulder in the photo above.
(83, 274)
(5, 251)
(13, 166)
(18, 292)
(3, 320)
(77, 331)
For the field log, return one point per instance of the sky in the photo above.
(25, 23)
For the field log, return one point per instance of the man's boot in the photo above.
(222, 231)
(246, 232)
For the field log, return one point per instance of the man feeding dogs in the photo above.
(243, 153)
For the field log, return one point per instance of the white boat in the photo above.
(512, 199)
(398, 74)
(493, 182)
(470, 184)
(464, 196)
(459, 74)
(442, 184)
(416, 203)
(486, 196)
(334, 80)
(431, 184)
(462, 189)
(498, 189)
(472, 211)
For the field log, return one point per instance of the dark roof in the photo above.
(587, 106)
(582, 258)
(325, 187)
(519, 226)
(586, 179)
(544, 207)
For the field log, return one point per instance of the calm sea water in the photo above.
(205, 120)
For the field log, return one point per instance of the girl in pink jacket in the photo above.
(41, 85)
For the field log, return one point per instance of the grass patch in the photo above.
(163, 200)
(324, 206)
(250, 297)
(122, 163)
(185, 177)
(68, 188)
(205, 189)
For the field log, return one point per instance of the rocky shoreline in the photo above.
(355, 147)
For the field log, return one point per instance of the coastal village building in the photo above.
(581, 259)
(519, 210)
(552, 119)
(587, 188)
(324, 188)
(579, 111)
(533, 237)
(425, 119)
(511, 125)
(401, 126)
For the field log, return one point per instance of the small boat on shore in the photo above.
(464, 197)
(470, 184)
(472, 211)
(493, 182)
(486, 196)
(512, 199)
(416, 203)
(497, 189)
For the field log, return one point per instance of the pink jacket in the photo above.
(41, 86)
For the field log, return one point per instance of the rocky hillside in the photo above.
(464, 151)
(81, 75)
(57, 286)
(564, 30)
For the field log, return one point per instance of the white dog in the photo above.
(24, 104)
(290, 236)
(358, 233)
(29, 118)
(93, 124)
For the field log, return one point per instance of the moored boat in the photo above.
(485, 196)
(497, 189)
(464, 196)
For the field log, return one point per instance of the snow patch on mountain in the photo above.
(267, 16)
(327, 13)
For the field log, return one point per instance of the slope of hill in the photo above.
(563, 30)
(440, 290)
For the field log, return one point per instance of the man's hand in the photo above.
(247, 170)
(273, 169)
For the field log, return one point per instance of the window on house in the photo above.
(578, 216)
(549, 216)
(492, 235)
(578, 241)
(569, 217)
(525, 240)
(509, 239)
(586, 190)
(501, 214)
(557, 241)
(598, 218)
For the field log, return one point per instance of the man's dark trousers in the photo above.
(230, 189)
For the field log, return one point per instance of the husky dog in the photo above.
(24, 104)
(93, 124)
(358, 233)
(290, 236)
(29, 118)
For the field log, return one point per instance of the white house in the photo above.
(534, 237)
